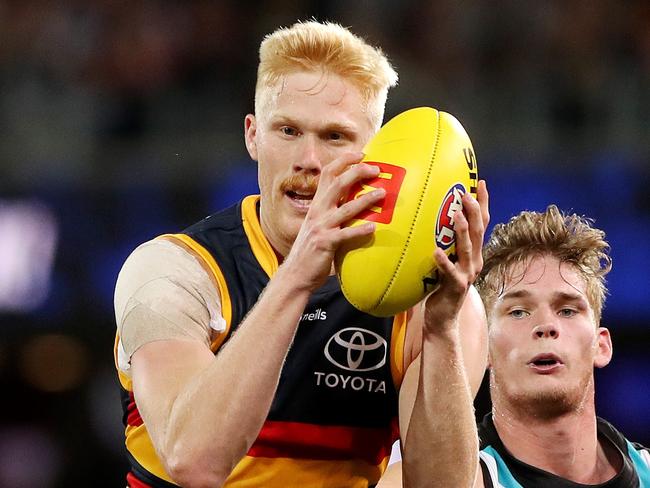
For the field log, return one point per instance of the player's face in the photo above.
(544, 342)
(308, 120)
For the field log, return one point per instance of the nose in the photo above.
(546, 330)
(311, 157)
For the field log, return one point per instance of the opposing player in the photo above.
(543, 285)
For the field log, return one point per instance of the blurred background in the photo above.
(122, 120)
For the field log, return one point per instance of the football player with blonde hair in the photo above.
(241, 362)
(326, 49)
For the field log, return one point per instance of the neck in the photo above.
(566, 445)
(281, 245)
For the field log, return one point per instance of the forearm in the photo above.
(442, 428)
(215, 419)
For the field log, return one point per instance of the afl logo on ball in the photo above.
(445, 221)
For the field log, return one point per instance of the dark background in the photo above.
(121, 120)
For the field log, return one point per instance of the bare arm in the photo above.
(441, 443)
(473, 343)
(203, 411)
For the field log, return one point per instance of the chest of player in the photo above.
(338, 370)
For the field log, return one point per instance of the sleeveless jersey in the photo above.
(334, 415)
(502, 470)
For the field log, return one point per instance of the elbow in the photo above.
(190, 469)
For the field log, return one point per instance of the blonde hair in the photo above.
(569, 238)
(329, 48)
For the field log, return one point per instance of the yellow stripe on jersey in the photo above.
(262, 250)
(253, 472)
(125, 381)
(141, 448)
(268, 260)
(205, 257)
(398, 335)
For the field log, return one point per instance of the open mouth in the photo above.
(301, 198)
(545, 362)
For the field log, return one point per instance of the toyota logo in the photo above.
(355, 349)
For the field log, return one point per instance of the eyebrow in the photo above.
(514, 294)
(328, 126)
(557, 296)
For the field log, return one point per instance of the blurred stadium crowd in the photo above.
(123, 120)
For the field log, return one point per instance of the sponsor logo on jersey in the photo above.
(318, 314)
(354, 350)
(348, 382)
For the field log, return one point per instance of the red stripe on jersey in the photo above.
(330, 442)
(132, 414)
(133, 482)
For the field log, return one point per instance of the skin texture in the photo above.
(447, 377)
(313, 119)
(545, 413)
(307, 144)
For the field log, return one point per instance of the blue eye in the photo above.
(567, 312)
(518, 313)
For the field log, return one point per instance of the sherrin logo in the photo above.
(445, 222)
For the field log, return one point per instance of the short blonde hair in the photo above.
(569, 238)
(329, 48)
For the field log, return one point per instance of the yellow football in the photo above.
(427, 163)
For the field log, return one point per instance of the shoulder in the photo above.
(162, 252)
(164, 265)
(638, 454)
(607, 430)
(153, 259)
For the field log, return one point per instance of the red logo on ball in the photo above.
(390, 178)
(445, 222)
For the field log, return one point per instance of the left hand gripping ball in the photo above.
(427, 162)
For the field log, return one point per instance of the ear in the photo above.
(604, 349)
(250, 134)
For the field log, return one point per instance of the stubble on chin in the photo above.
(542, 403)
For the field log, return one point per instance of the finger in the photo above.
(463, 240)
(334, 168)
(348, 233)
(450, 278)
(354, 174)
(339, 165)
(351, 209)
(483, 199)
(472, 211)
(443, 263)
(335, 187)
